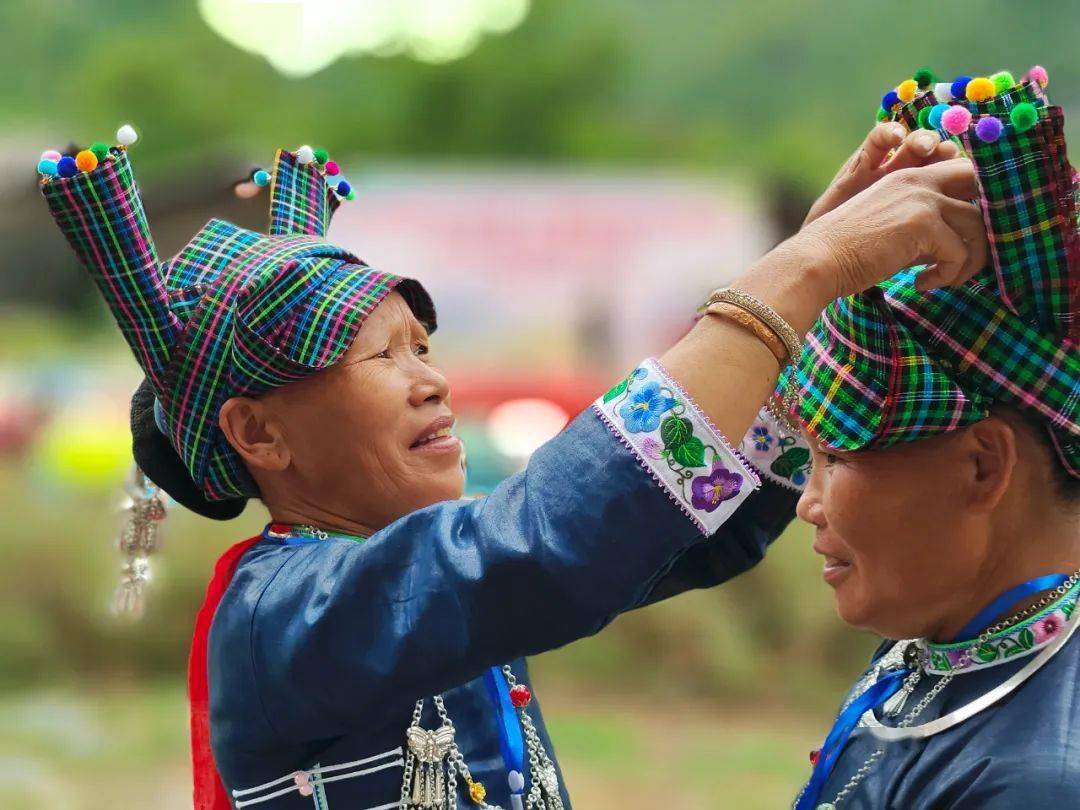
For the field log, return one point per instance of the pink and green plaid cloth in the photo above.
(235, 312)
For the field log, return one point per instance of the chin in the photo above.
(439, 487)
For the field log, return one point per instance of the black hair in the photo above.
(1066, 485)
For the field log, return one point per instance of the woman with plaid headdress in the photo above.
(945, 428)
(366, 649)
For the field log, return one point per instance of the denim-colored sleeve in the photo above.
(552, 555)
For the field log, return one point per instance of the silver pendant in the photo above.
(431, 749)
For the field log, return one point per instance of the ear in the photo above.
(993, 451)
(254, 434)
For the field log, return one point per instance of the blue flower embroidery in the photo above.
(646, 404)
(798, 478)
(762, 438)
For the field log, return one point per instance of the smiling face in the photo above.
(367, 440)
(903, 532)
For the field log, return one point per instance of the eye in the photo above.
(831, 459)
(384, 354)
(422, 349)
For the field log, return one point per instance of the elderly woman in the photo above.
(945, 495)
(366, 650)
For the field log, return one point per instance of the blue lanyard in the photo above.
(891, 682)
(510, 737)
(986, 616)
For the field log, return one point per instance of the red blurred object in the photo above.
(480, 391)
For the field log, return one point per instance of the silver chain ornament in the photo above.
(140, 536)
(913, 679)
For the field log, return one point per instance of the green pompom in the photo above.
(1023, 116)
(351, 195)
(321, 156)
(924, 77)
(1003, 80)
(100, 150)
(882, 115)
(924, 118)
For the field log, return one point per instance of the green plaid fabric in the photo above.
(235, 313)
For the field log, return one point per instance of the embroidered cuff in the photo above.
(776, 453)
(678, 445)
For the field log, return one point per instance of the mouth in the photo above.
(836, 568)
(437, 437)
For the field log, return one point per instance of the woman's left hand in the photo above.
(875, 158)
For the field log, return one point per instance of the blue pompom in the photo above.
(66, 166)
(959, 87)
(936, 112)
(343, 188)
(889, 100)
(47, 167)
(261, 178)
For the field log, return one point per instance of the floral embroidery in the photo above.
(1024, 638)
(709, 491)
(781, 458)
(676, 442)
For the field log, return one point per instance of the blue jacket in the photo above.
(318, 652)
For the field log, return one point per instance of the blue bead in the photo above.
(889, 100)
(936, 112)
(47, 167)
(261, 178)
(66, 166)
(343, 188)
(959, 87)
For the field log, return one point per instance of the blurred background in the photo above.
(569, 178)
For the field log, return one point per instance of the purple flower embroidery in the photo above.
(652, 448)
(1048, 627)
(709, 491)
(761, 437)
(646, 404)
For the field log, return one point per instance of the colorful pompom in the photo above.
(988, 129)
(959, 87)
(1023, 116)
(51, 154)
(882, 115)
(924, 118)
(924, 77)
(889, 100)
(936, 112)
(86, 160)
(126, 135)
(321, 156)
(907, 89)
(332, 167)
(101, 150)
(1003, 80)
(261, 177)
(343, 188)
(980, 89)
(943, 91)
(1038, 74)
(351, 195)
(47, 166)
(66, 166)
(304, 155)
(956, 120)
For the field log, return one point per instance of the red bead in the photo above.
(520, 696)
(814, 757)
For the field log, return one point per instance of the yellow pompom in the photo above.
(86, 160)
(907, 90)
(477, 792)
(980, 89)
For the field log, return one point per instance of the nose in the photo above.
(428, 385)
(810, 507)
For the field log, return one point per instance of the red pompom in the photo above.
(520, 696)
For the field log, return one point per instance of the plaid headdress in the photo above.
(235, 313)
(894, 364)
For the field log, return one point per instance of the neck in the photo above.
(321, 519)
(1054, 549)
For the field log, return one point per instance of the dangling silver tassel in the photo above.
(139, 538)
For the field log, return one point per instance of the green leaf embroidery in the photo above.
(1068, 609)
(675, 432)
(790, 461)
(940, 661)
(691, 453)
(618, 389)
(986, 653)
(1026, 638)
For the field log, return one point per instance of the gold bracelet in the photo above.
(764, 313)
(752, 324)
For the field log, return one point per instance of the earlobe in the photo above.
(994, 460)
(253, 434)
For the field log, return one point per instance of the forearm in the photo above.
(728, 371)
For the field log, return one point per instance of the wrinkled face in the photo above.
(369, 438)
(900, 549)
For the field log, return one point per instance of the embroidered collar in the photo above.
(1022, 639)
(296, 534)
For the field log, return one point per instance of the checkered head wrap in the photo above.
(894, 364)
(235, 313)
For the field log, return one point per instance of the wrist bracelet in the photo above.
(764, 313)
(752, 324)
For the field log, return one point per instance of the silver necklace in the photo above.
(913, 679)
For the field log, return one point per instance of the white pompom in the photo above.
(943, 92)
(305, 154)
(126, 135)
